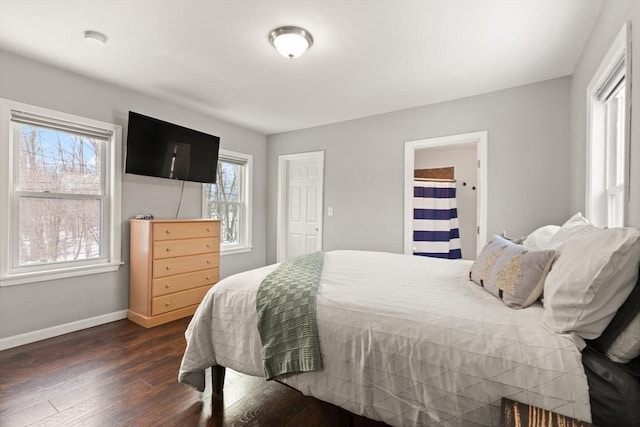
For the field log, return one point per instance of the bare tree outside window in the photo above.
(59, 188)
(225, 200)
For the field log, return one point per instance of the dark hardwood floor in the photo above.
(121, 374)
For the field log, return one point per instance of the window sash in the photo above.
(241, 203)
(239, 209)
(614, 136)
(241, 167)
(74, 239)
(102, 229)
(614, 154)
(102, 153)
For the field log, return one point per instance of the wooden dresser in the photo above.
(173, 263)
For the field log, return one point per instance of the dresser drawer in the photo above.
(182, 282)
(184, 264)
(173, 248)
(185, 230)
(177, 300)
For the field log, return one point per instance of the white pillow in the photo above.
(541, 237)
(576, 219)
(593, 274)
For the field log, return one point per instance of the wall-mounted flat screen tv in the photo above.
(161, 149)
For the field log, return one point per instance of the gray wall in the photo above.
(31, 307)
(528, 164)
(613, 16)
(535, 175)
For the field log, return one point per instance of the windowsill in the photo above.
(235, 250)
(41, 276)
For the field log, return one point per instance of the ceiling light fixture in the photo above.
(95, 38)
(291, 42)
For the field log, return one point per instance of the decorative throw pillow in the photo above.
(512, 272)
(594, 273)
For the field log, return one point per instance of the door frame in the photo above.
(480, 139)
(283, 181)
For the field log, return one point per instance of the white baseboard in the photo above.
(54, 331)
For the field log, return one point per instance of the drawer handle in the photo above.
(166, 231)
(167, 286)
(167, 267)
(166, 304)
(208, 277)
(208, 262)
(168, 249)
(208, 245)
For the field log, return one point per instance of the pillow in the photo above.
(516, 240)
(627, 346)
(511, 272)
(592, 276)
(576, 219)
(540, 238)
(620, 341)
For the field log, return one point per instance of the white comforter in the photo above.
(405, 340)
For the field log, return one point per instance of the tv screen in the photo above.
(165, 150)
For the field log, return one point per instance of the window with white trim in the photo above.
(609, 137)
(61, 190)
(229, 200)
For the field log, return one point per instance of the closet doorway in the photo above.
(467, 155)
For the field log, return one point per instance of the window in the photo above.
(61, 177)
(229, 200)
(609, 137)
(614, 102)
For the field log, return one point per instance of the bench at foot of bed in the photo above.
(520, 414)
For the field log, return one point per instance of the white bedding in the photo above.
(405, 340)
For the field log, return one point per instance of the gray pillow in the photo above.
(620, 341)
(626, 346)
(511, 272)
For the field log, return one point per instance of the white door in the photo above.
(300, 210)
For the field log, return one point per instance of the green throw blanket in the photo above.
(286, 304)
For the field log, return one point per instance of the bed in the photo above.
(410, 341)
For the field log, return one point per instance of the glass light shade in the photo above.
(291, 45)
(291, 42)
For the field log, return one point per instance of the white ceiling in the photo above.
(368, 57)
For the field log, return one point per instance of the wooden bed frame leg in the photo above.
(217, 379)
